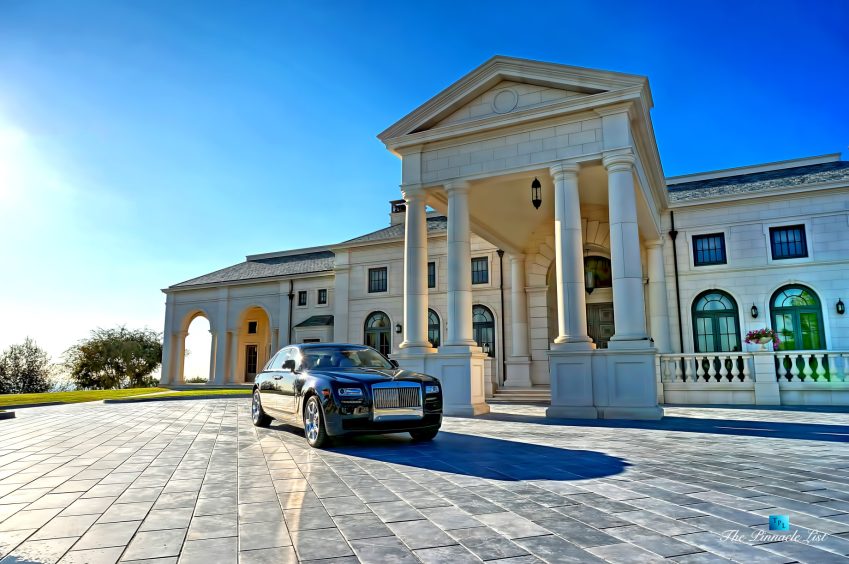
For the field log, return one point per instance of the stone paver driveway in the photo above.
(194, 481)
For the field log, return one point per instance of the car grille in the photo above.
(394, 401)
(391, 398)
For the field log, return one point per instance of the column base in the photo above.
(461, 373)
(415, 345)
(642, 413)
(572, 345)
(518, 372)
(626, 344)
(571, 412)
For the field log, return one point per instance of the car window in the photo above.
(341, 358)
(276, 363)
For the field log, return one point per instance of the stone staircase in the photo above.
(534, 395)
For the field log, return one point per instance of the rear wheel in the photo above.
(314, 430)
(259, 417)
(424, 434)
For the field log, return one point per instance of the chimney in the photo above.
(398, 212)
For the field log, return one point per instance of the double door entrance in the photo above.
(600, 326)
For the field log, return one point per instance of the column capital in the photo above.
(618, 162)
(564, 169)
(653, 243)
(456, 186)
(413, 192)
(181, 333)
(516, 258)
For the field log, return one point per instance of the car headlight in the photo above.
(350, 392)
(431, 389)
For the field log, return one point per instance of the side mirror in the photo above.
(289, 364)
(393, 362)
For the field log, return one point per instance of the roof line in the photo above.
(753, 169)
(289, 253)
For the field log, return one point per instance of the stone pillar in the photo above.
(165, 375)
(233, 337)
(213, 345)
(658, 306)
(518, 363)
(180, 360)
(569, 259)
(219, 326)
(459, 267)
(341, 286)
(415, 271)
(275, 339)
(628, 298)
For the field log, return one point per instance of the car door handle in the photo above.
(278, 377)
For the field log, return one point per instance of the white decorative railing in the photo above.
(705, 368)
(812, 366)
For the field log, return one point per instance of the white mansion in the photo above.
(539, 244)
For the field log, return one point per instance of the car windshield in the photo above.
(341, 358)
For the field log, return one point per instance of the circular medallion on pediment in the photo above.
(505, 101)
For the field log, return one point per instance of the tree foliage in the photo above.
(115, 358)
(24, 369)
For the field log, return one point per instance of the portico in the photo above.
(471, 153)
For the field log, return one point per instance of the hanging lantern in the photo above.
(589, 281)
(754, 311)
(841, 309)
(536, 193)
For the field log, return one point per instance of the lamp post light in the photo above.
(536, 193)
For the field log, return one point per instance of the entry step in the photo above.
(537, 394)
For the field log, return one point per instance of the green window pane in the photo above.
(809, 324)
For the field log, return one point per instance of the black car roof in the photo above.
(320, 345)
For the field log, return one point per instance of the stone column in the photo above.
(168, 342)
(180, 352)
(658, 306)
(569, 259)
(518, 363)
(459, 267)
(213, 346)
(415, 271)
(628, 298)
(233, 337)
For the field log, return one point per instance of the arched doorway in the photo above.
(796, 314)
(598, 283)
(197, 350)
(483, 329)
(716, 322)
(253, 347)
(433, 329)
(378, 332)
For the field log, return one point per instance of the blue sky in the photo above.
(144, 143)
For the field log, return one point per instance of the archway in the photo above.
(198, 345)
(253, 347)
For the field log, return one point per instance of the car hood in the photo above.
(371, 375)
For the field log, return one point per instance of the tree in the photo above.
(115, 358)
(24, 369)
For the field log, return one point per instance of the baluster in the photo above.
(735, 368)
(665, 374)
(700, 368)
(834, 361)
(746, 373)
(726, 366)
(794, 368)
(712, 374)
(843, 367)
(821, 368)
(807, 369)
(781, 370)
(679, 374)
(688, 369)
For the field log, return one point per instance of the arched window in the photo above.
(433, 328)
(378, 332)
(483, 326)
(716, 322)
(597, 273)
(797, 318)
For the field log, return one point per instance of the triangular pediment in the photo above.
(505, 85)
(509, 96)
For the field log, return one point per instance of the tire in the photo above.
(314, 430)
(258, 415)
(424, 434)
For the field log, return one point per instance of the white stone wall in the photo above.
(750, 275)
(505, 151)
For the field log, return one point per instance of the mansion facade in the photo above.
(537, 244)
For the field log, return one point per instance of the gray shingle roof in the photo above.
(317, 321)
(319, 261)
(434, 224)
(759, 181)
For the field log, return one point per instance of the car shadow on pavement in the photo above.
(483, 457)
(742, 427)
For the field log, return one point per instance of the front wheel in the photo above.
(424, 434)
(259, 417)
(314, 430)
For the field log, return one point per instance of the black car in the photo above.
(336, 389)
